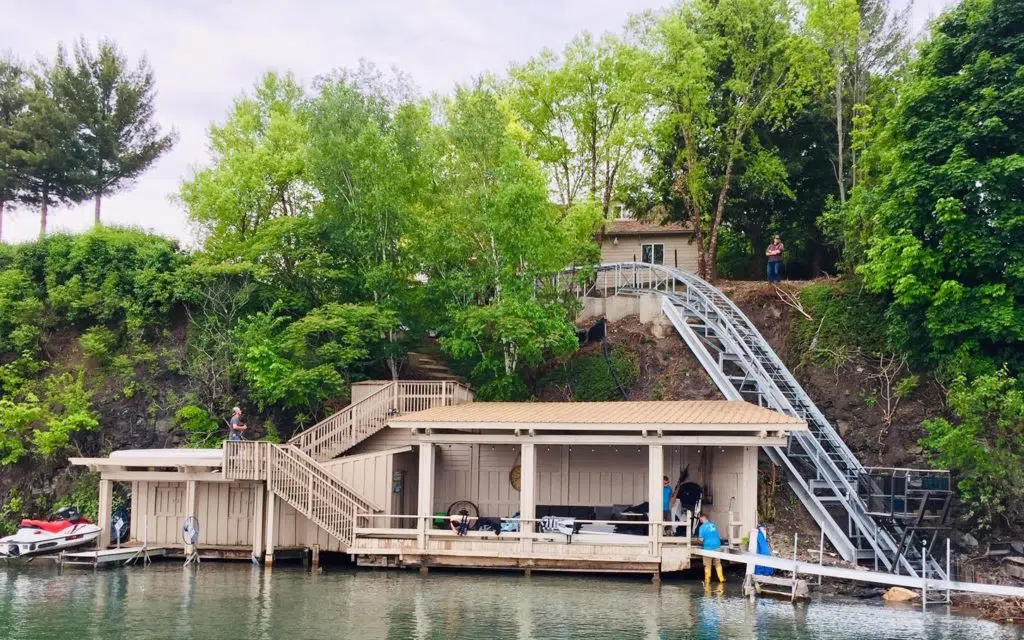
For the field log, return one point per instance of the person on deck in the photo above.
(774, 253)
(708, 533)
(237, 425)
(666, 500)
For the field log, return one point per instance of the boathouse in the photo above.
(555, 486)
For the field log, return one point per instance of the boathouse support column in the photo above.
(103, 513)
(257, 521)
(190, 508)
(655, 500)
(527, 494)
(271, 507)
(425, 501)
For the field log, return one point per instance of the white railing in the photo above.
(314, 493)
(301, 482)
(245, 460)
(357, 422)
(423, 531)
(335, 434)
(293, 472)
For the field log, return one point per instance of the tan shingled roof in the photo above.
(671, 412)
(641, 227)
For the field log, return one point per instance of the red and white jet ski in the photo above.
(68, 529)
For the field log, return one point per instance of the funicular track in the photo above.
(819, 467)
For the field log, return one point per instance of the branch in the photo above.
(792, 301)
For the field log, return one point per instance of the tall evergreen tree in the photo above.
(114, 105)
(53, 156)
(14, 88)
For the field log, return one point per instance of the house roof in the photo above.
(716, 415)
(626, 226)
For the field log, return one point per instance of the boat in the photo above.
(66, 530)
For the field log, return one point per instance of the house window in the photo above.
(621, 213)
(653, 253)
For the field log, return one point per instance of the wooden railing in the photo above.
(332, 436)
(293, 472)
(301, 482)
(357, 422)
(245, 460)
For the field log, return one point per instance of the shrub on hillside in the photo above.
(985, 447)
(590, 378)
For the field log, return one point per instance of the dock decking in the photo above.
(96, 559)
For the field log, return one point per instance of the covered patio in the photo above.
(568, 485)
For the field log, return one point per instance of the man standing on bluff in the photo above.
(237, 426)
(774, 253)
(708, 533)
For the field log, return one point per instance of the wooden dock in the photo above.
(111, 557)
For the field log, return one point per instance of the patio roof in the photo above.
(702, 415)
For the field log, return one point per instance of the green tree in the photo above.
(949, 223)
(113, 103)
(256, 182)
(583, 114)
(834, 25)
(985, 445)
(490, 236)
(299, 364)
(370, 159)
(54, 161)
(721, 70)
(14, 90)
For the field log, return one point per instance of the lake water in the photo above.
(229, 601)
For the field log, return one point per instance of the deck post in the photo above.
(527, 494)
(425, 503)
(257, 521)
(190, 509)
(655, 500)
(103, 513)
(268, 559)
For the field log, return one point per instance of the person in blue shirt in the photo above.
(666, 500)
(708, 533)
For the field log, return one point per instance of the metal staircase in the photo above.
(820, 468)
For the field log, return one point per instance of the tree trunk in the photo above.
(98, 196)
(43, 210)
(840, 172)
(716, 224)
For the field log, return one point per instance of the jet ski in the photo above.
(67, 529)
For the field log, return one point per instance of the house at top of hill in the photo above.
(654, 241)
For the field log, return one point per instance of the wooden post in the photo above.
(268, 558)
(655, 500)
(103, 513)
(190, 509)
(257, 521)
(527, 494)
(315, 559)
(425, 503)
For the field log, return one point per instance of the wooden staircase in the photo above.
(293, 471)
(345, 429)
(430, 366)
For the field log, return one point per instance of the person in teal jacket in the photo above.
(708, 533)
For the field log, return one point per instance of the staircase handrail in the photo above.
(313, 467)
(318, 496)
(338, 428)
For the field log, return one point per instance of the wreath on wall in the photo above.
(514, 477)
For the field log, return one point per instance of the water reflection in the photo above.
(232, 601)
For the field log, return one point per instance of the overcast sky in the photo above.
(205, 53)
